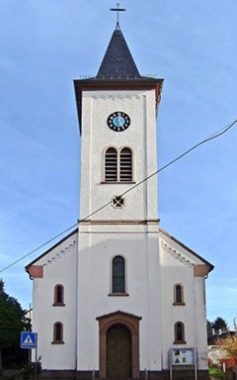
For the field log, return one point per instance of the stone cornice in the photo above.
(176, 254)
(119, 222)
(176, 241)
(117, 97)
(201, 270)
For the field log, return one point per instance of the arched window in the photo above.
(126, 165)
(58, 332)
(118, 166)
(59, 295)
(178, 295)
(111, 162)
(118, 275)
(179, 336)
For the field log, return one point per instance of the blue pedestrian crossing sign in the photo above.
(28, 339)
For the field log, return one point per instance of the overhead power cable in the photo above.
(206, 140)
(202, 142)
(39, 247)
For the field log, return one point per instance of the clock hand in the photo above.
(120, 121)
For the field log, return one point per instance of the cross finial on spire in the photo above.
(118, 9)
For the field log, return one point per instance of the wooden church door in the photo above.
(119, 352)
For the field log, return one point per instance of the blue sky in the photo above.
(44, 45)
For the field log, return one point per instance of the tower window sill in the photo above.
(117, 183)
(179, 304)
(58, 304)
(118, 294)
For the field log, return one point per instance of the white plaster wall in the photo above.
(60, 267)
(139, 246)
(177, 267)
(97, 137)
(98, 245)
(201, 326)
(152, 270)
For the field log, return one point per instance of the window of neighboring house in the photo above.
(178, 295)
(59, 295)
(118, 275)
(179, 336)
(118, 166)
(58, 333)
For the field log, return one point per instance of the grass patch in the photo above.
(216, 372)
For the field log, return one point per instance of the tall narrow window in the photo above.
(179, 336)
(118, 275)
(126, 165)
(59, 295)
(58, 332)
(111, 163)
(178, 295)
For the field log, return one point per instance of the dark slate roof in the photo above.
(118, 62)
(213, 339)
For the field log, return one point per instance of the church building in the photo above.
(119, 297)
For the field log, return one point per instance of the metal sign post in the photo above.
(170, 363)
(185, 358)
(29, 341)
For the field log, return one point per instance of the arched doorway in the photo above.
(119, 343)
(119, 351)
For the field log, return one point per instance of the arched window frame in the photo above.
(179, 333)
(58, 333)
(107, 168)
(120, 172)
(59, 295)
(123, 172)
(118, 276)
(178, 295)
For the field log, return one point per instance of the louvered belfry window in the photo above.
(111, 165)
(118, 165)
(126, 165)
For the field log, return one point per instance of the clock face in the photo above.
(118, 121)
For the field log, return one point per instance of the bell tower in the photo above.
(117, 116)
(117, 247)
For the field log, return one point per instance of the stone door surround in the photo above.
(132, 323)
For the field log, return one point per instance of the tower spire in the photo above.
(118, 9)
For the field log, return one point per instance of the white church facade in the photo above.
(119, 298)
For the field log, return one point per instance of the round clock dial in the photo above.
(118, 121)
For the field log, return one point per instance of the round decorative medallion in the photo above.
(118, 121)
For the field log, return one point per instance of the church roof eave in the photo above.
(178, 242)
(118, 71)
(27, 267)
(95, 84)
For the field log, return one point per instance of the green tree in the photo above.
(11, 322)
(220, 325)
